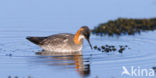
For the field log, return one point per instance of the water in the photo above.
(24, 62)
(18, 56)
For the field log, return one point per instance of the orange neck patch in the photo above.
(76, 37)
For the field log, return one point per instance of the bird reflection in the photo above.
(81, 65)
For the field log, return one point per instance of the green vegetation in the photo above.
(125, 26)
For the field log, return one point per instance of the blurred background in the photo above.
(69, 14)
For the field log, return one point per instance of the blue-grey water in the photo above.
(21, 18)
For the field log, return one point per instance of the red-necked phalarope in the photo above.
(63, 42)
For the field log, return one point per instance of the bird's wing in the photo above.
(56, 40)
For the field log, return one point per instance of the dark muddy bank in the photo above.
(125, 26)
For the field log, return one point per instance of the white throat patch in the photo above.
(81, 37)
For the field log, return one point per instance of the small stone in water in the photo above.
(126, 46)
(99, 49)
(107, 49)
(95, 47)
(107, 46)
(121, 50)
(8, 54)
(103, 47)
(154, 68)
(114, 49)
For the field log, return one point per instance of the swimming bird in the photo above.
(63, 42)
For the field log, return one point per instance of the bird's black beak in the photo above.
(89, 43)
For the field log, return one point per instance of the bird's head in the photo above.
(83, 33)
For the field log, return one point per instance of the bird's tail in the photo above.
(36, 40)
